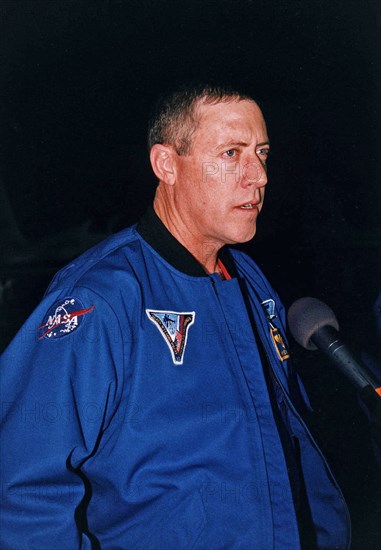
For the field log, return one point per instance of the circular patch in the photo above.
(63, 318)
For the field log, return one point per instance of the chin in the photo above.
(243, 237)
(247, 239)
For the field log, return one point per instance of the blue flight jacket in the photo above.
(136, 413)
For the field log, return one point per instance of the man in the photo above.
(147, 401)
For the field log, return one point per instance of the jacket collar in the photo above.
(154, 232)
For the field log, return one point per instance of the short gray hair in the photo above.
(174, 118)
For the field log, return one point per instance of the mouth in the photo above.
(248, 206)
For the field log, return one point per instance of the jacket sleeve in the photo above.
(61, 381)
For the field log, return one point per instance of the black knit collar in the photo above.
(154, 232)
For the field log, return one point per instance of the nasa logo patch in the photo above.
(64, 317)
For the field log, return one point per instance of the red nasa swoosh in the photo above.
(65, 320)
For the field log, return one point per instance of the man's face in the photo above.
(220, 183)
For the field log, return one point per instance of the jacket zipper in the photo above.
(295, 413)
(292, 409)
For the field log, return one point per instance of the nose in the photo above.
(254, 173)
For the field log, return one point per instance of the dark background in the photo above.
(77, 79)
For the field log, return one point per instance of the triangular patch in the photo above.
(174, 327)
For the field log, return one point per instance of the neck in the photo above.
(205, 252)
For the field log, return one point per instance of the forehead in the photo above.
(243, 118)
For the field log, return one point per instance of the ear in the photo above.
(163, 163)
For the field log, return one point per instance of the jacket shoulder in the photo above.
(94, 267)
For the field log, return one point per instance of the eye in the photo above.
(231, 153)
(263, 152)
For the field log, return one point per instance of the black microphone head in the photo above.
(306, 316)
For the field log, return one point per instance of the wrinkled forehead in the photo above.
(205, 105)
(233, 114)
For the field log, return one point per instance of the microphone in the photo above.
(313, 325)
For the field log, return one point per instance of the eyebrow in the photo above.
(241, 143)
